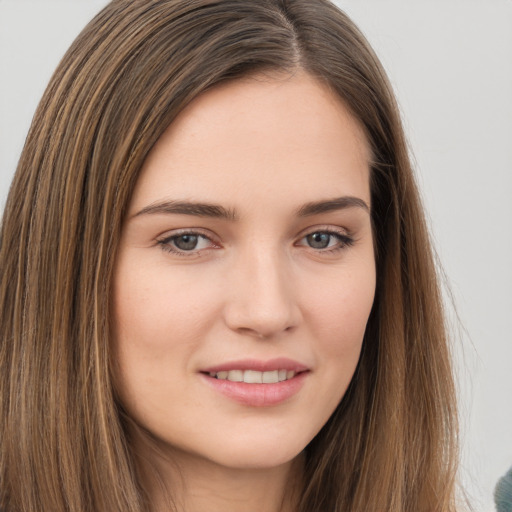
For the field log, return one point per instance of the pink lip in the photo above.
(281, 363)
(258, 395)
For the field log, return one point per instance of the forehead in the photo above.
(286, 136)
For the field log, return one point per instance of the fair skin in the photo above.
(247, 253)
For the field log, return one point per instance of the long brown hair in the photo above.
(391, 443)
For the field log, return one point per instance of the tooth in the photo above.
(270, 377)
(236, 375)
(253, 377)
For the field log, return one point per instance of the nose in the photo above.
(263, 301)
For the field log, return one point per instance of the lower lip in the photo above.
(258, 395)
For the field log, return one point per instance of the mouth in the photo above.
(254, 376)
(257, 384)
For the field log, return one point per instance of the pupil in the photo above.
(318, 240)
(186, 242)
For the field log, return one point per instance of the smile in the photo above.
(254, 377)
(256, 383)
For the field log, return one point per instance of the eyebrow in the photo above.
(189, 208)
(340, 203)
(216, 211)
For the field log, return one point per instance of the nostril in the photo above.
(252, 332)
(266, 308)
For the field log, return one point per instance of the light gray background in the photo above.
(450, 62)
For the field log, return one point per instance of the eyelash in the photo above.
(165, 244)
(343, 239)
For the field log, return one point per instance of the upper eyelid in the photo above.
(343, 237)
(170, 234)
(166, 243)
(325, 229)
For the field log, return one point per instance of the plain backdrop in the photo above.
(450, 62)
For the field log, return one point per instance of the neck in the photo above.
(179, 481)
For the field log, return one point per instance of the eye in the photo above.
(326, 240)
(320, 240)
(186, 243)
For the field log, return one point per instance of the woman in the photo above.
(217, 288)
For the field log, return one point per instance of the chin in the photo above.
(258, 451)
(239, 452)
(258, 458)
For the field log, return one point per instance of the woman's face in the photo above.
(246, 273)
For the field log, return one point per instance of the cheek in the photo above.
(339, 314)
(154, 306)
(154, 327)
(153, 334)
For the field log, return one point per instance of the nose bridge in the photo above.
(263, 302)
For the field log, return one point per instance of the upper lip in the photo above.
(281, 363)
